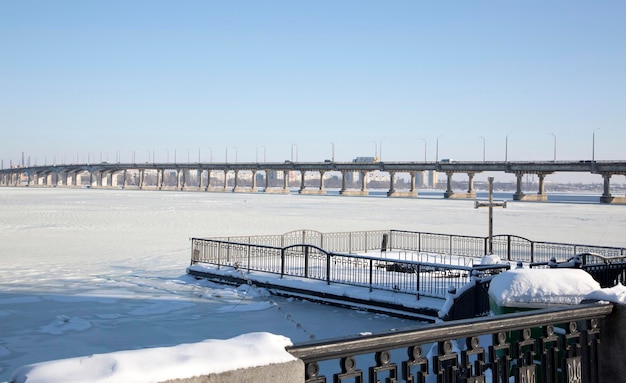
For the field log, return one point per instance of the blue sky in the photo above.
(97, 78)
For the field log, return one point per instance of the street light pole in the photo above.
(506, 147)
(593, 146)
(375, 149)
(332, 157)
(437, 149)
(424, 148)
(234, 147)
(292, 146)
(554, 135)
(483, 147)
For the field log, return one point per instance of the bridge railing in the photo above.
(548, 345)
(309, 261)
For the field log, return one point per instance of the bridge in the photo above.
(217, 177)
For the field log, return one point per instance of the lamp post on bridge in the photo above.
(554, 135)
(593, 145)
(483, 138)
(437, 149)
(294, 146)
(506, 147)
(332, 157)
(234, 147)
(375, 149)
(423, 139)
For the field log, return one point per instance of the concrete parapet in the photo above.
(613, 346)
(289, 372)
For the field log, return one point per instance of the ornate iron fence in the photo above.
(549, 345)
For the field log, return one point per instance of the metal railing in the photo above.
(549, 345)
(506, 246)
(313, 262)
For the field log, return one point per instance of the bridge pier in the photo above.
(277, 190)
(606, 195)
(540, 196)
(395, 193)
(320, 190)
(344, 184)
(471, 193)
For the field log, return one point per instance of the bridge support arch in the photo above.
(412, 192)
(320, 190)
(541, 193)
(344, 183)
(471, 192)
(607, 197)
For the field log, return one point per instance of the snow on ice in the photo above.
(98, 276)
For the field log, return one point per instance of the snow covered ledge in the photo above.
(613, 337)
(258, 357)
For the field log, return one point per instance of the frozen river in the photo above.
(93, 271)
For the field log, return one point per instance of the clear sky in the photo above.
(91, 79)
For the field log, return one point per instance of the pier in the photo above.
(544, 345)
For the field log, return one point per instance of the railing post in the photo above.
(508, 247)
(371, 274)
(328, 268)
(419, 272)
(366, 242)
(282, 262)
(249, 250)
(306, 261)
(419, 242)
(532, 251)
(219, 255)
(350, 242)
